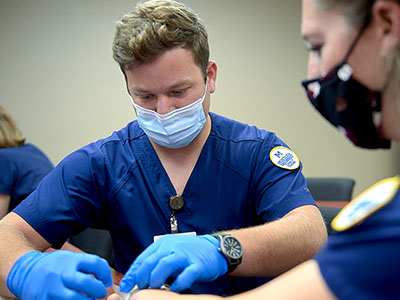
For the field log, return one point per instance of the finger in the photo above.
(129, 280)
(186, 278)
(84, 283)
(93, 264)
(167, 266)
(144, 271)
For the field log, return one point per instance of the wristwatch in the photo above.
(231, 248)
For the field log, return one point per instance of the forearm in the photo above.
(13, 244)
(303, 282)
(4, 204)
(154, 294)
(274, 248)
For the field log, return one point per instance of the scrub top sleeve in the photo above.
(362, 262)
(278, 189)
(7, 176)
(70, 198)
(365, 269)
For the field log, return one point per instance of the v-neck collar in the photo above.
(161, 183)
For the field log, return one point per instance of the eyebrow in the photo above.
(180, 84)
(310, 36)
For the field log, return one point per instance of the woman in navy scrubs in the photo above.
(22, 165)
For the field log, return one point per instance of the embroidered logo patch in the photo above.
(284, 158)
(373, 199)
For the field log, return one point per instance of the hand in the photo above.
(189, 258)
(61, 275)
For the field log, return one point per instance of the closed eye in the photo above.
(144, 96)
(179, 93)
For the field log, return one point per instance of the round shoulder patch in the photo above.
(367, 203)
(284, 158)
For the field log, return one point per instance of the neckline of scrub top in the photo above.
(161, 182)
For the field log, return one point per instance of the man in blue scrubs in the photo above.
(361, 258)
(179, 171)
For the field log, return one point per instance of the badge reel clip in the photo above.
(175, 203)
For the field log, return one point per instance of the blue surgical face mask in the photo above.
(175, 129)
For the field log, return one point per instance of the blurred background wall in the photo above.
(59, 81)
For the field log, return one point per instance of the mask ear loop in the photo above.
(367, 21)
(360, 33)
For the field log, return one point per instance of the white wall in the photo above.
(59, 81)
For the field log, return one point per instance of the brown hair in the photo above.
(10, 135)
(356, 12)
(156, 26)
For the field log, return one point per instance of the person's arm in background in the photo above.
(303, 282)
(4, 204)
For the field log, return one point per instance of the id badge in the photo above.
(157, 237)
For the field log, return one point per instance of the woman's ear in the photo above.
(386, 18)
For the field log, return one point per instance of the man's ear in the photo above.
(386, 18)
(212, 76)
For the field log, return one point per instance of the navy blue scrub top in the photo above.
(119, 184)
(21, 169)
(363, 262)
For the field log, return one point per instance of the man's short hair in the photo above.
(155, 27)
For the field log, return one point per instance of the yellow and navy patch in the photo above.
(367, 203)
(284, 158)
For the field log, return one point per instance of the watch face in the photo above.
(232, 247)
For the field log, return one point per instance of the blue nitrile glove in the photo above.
(63, 275)
(188, 257)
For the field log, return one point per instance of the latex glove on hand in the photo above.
(60, 275)
(188, 258)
